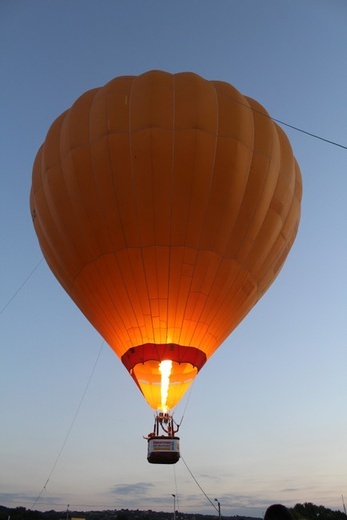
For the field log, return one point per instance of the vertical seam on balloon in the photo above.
(111, 295)
(106, 318)
(230, 291)
(43, 228)
(278, 262)
(244, 104)
(101, 208)
(44, 177)
(127, 250)
(197, 248)
(173, 170)
(38, 224)
(115, 254)
(69, 199)
(265, 181)
(208, 354)
(210, 188)
(48, 207)
(86, 209)
(279, 175)
(153, 245)
(68, 113)
(94, 170)
(112, 171)
(171, 204)
(135, 204)
(185, 340)
(223, 255)
(180, 340)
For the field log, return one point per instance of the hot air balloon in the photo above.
(165, 205)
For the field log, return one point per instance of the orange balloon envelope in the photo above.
(165, 205)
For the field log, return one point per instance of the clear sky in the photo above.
(266, 420)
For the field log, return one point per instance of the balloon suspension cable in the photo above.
(164, 425)
(186, 406)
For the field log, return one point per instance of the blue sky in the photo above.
(266, 419)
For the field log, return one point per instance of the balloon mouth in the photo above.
(163, 373)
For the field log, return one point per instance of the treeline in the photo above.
(309, 511)
(306, 511)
